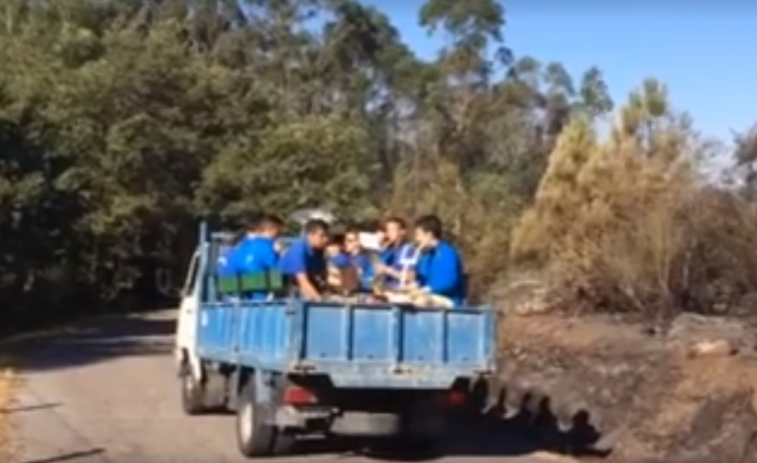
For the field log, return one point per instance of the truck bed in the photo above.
(356, 346)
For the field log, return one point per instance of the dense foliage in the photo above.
(122, 123)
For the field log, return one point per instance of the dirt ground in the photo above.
(604, 383)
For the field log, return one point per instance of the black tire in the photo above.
(413, 447)
(256, 437)
(192, 393)
(283, 443)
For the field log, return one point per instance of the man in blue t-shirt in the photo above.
(440, 269)
(358, 258)
(339, 263)
(223, 262)
(304, 261)
(398, 258)
(256, 253)
(335, 252)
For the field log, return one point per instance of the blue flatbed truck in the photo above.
(291, 369)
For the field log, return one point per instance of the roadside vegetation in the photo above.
(123, 123)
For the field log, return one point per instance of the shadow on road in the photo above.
(533, 428)
(70, 457)
(94, 341)
(476, 434)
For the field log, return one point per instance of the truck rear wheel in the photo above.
(192, 392)
(255, 436)
(411, 446)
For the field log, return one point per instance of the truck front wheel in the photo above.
(256, 436)
(192, 392)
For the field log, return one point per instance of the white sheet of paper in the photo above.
(370, 241)
(399, 298)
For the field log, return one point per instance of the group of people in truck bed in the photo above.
(320, 260)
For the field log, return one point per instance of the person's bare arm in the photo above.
(307, 288)
(408, 275)
(389, 271)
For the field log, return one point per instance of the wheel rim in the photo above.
(246, 420)
(189, 385)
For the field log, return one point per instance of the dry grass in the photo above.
(627, 222)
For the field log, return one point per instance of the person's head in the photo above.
(317, 233)
(395, 229)
(428, 230)
(335, 244)
(352, 240)
(253, 224)
(270, 226)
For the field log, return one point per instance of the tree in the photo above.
(123, 123)
(610, 213)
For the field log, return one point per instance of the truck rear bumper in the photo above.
(361, 423)
(291, 417)
(389, 424)
(366, 424)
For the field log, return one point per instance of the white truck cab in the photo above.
(185, 348)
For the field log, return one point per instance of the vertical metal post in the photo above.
(203, 231)
(202, 262)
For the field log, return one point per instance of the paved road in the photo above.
(107, 393)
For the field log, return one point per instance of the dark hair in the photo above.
(398, 220)
(270, 219)
(316, 225)
(254, 221)
(353, 230)
(431, 224)
(337, 239)
(371, 226)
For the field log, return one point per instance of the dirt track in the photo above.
(107, 393)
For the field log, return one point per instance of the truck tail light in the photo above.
(294, 395)
(455, 399)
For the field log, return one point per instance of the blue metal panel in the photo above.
(423, 342)
(264, 329)
(334, 332)
(377, 346)
(464, 340)
(355, 346)
(395, 335)
(216, 330)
